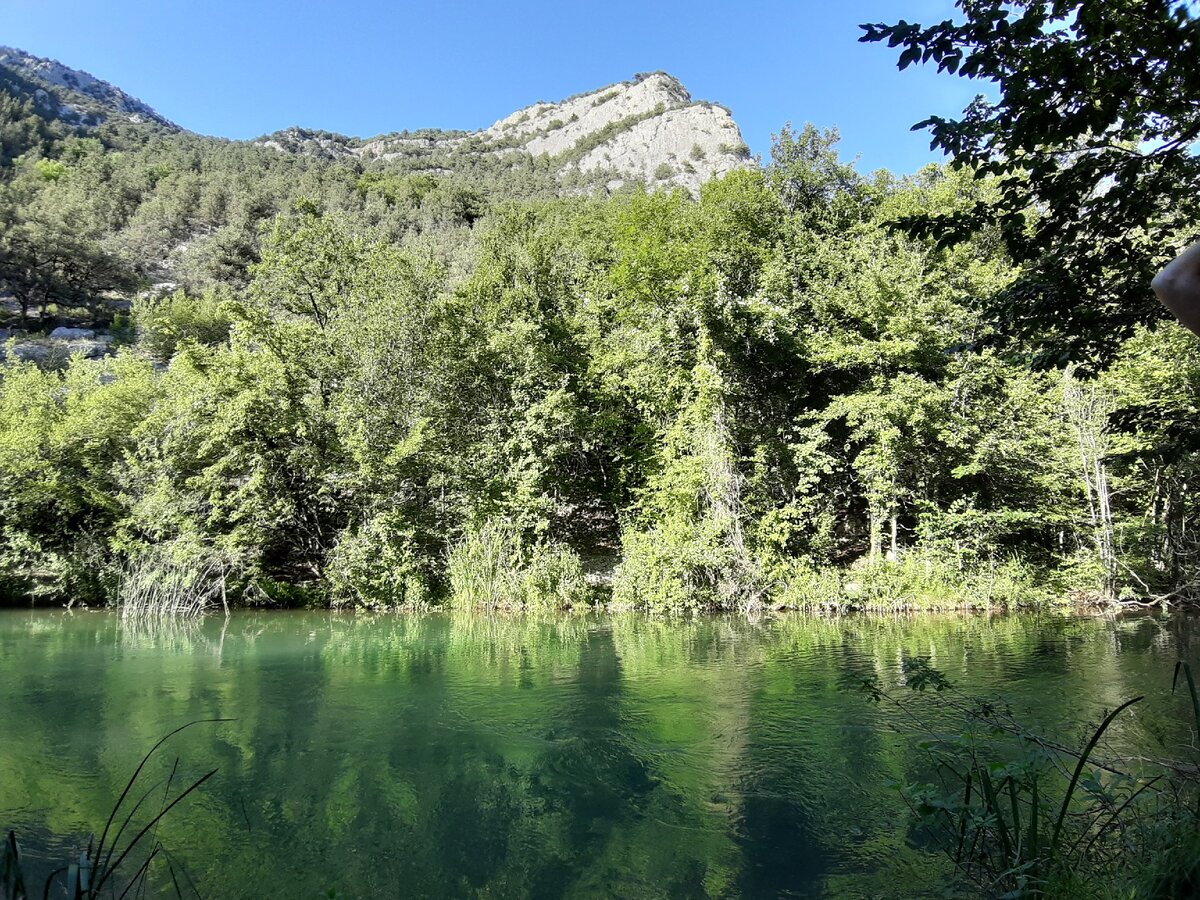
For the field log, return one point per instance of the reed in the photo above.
(1020, 815)
(493, 569)
(125, 841)
(158, 585)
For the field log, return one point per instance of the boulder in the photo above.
(32, 352)
(90, 349)
(63, 333)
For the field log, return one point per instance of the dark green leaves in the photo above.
(1094, 130)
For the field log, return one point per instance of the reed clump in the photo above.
(493, 568)
(158, 584)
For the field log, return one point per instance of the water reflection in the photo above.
(571, 756)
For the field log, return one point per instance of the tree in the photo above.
(61, 436)
(1092, 139)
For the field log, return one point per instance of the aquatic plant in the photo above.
(105, 861)
(1021, 815)
(159, 583)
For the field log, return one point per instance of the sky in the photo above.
(365, 67)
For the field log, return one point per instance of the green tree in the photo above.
(1092, 138)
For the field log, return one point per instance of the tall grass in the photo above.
(156, 584)
(127, 840)
(493, 569)
(916, 581)
(1023, 816)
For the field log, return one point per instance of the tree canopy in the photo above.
(1089, 123)
(364, 382)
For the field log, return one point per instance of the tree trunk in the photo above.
(1087, 412)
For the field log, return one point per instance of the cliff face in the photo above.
(647, 129)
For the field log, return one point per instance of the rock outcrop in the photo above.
(76, 96)
(648, 129)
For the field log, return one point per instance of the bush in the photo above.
(916, 580)
(926, 580)
(802, 586)
(553, 579)
(378, 564)
(163, 323)
(491, 568)
(62, 437)
(679, 566)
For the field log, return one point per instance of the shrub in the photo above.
(378, 564)
(678, 566)
(553, 579)
(163, 323)
(916, 580)
(492, 568)
(928, 580)
(62, 435)
(803, 586)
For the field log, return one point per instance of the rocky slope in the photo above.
(648, 129)
(75, 96)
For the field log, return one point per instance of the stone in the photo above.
(63, 333)
(93, 349)
(32, 352)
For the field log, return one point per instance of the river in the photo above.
(457, 755)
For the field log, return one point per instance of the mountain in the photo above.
(74, 96)
(646, 129)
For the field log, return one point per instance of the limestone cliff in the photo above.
(647, 129)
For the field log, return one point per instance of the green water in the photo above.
(462, 756)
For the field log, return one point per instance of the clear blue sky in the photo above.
(241, 68)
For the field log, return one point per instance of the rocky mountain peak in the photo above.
(74, 95)
(648, 129)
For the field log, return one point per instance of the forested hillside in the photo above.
(318, 378)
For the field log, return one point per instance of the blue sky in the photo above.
(362, 67)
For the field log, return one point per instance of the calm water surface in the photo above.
(464, 756)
